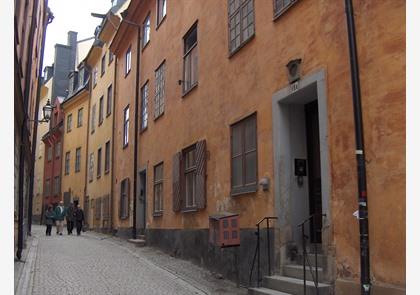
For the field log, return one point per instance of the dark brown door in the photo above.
(314, 169)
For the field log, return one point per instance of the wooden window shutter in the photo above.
(201, 153)
(176, 181)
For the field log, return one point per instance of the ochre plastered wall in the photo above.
(75, 182)
(230, 88)
(124, 156)
(100, 186)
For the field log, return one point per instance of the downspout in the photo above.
(89, 89)
(134, 233)
(114, 96)
(35, 133)
(23, 134)
(360, 157)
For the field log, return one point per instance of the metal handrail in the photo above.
(305, 257)
(257, 250)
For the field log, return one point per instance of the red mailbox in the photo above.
(224, 229)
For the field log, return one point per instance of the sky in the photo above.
(75, 16)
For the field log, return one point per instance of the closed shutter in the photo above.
(201, 174)
(176, 182)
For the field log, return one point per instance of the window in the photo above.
(98, 208)
(189, 178)
(190, 171)
(128, 61)
(125, 188)
(80, 118)
(144, 103)
(91, 164)
(126, 125)
(103, 66)
(58, 149)
(47, 187)
(101, 110)
(244, 156)
(92, 119)
(109, 101)
(241, 23)
(99, 165)
(81, 77)
(110, 57)
(69, 120)
(282, 5)
(190, 59)
(105, 207)
(95, 76)
(67, 164)
(107, 156)
(78, 159)
(161, 11)
(146, 31)
(56, 190)
(158, 189)
(49, 153)
(160, 90)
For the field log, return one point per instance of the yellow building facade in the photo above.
(76, 110)
(39, 156)
(100, 134)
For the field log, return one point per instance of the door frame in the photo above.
(283, 172)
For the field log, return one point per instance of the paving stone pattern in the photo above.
(98, 264)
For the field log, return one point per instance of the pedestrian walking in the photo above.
(59, 217)
(49, 220)
(70, 219)
(79, 217)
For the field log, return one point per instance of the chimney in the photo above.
(72, 42)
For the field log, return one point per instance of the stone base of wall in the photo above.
(194, 245)
(36, 219)
(347, 287)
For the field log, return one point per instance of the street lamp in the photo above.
(46, 112)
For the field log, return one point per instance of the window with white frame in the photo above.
(128, 61)
(146, 31)
(144, 103)
(190, 59)
(241, 23)
(78, 159)
(159, 91)
(161, 10)
(126, 125)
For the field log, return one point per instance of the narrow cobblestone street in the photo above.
(99, 264)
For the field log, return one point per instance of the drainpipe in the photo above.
(136, 132)
(35, 133)
(360, 157)
(23, 146)
(112, 145)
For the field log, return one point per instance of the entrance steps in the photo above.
(140, 241)
(291, 280)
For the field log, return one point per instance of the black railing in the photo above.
(305, 255)
(257, 251)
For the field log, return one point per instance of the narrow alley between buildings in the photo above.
(98, 264)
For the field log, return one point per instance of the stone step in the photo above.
(265, 291)
(141, 237)
(296, 271)
(138, 242)
(294, 286)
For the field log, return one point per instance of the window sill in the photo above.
(98, 176)
(161, 21)
(107, 115)
(77, 171)
(68, 131)
(124, 217)
(184, 94)
(158, 117)
(106, 171)
(189, 210)
(145, 45)
(126, 74)
(158, 214)
(244, 190)
(232, 53)
(282, 11)
(142, 130)
(78, 126)
(125, 145)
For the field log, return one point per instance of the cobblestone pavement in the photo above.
(98, 264)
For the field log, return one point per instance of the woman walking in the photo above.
(49, 220)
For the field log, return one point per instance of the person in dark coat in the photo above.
(49, 220)
(79, 217)
(70, 219)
